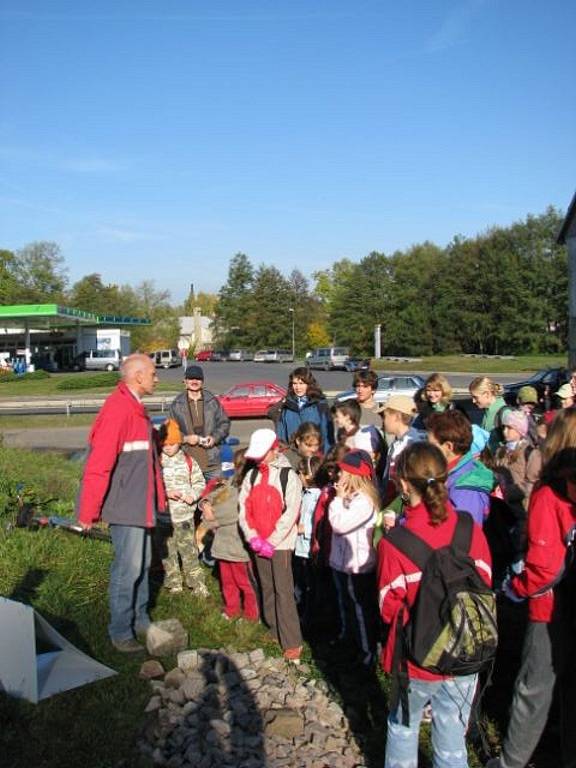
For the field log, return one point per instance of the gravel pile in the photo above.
(242, 710)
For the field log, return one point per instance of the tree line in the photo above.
(504, 291)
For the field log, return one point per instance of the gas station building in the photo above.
(51, 335)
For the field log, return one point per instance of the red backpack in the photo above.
(265, 504)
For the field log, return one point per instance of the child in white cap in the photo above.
(269, 507)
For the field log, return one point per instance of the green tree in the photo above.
(8, 285)
(92, 295)
(231, 320)
(39, 270)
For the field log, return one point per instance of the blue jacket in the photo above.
(315, 411)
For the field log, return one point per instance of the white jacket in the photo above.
(352, 521)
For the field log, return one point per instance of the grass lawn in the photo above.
(57, 385)
(46, 420)
(480, 365)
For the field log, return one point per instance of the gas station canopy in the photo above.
(50, 316)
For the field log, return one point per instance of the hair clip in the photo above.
(430, 481)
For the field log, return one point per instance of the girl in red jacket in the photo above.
(421, 472)
(548, 582)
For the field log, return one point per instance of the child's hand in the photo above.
(300, 528)
(174, 495)
(188, 498)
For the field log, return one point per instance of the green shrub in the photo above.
(34, 376)
(92, 381)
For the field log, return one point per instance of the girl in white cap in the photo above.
(269, 506)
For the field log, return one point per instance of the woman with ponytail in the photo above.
(421, 472)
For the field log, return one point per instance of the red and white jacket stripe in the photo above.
(551, 519)
(399, 578)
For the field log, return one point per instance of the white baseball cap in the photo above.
(261, 441)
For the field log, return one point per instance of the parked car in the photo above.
(102, 360)
(219, 356)
(353, 364)
(240, 355)
(390, 385)
(166, 358)
(204, 356)
(274, 356)
(328, 358)
(251, 399)
(551, 378)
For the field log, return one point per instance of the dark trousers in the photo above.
(238, 589)
(357, 601)
(278, 604)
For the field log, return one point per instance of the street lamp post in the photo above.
(291, 310)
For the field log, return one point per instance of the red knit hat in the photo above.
(357, 463)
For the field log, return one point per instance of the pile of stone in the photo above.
(220, 709)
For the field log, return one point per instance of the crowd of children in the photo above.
(300, 534)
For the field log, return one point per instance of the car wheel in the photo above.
(110, 367)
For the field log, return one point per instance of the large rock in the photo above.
(166, 638)
(284, 722)
(151, 669)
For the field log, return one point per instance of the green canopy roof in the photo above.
(55, 316)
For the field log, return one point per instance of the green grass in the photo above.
(47, 420)
(61, 383)
(480, 365)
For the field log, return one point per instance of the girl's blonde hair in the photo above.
(359, 484)
(424, 467)
(438, 381)
(487, 385)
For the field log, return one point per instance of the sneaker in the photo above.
(227, 617)
(293, 654)
(176, 590)
(141, 634)
(128, 646)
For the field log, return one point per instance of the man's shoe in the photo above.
(128, 646)
(199, 589)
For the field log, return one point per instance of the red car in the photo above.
(204, 356)
(251, 399)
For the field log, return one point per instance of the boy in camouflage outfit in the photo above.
(184, 484)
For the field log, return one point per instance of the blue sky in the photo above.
(155, 139)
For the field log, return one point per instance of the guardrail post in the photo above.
(68, 408)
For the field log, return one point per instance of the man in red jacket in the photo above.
(122, 484)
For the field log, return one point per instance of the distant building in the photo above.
(567, 237)
(196, 330)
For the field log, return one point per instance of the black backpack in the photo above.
(451, 628)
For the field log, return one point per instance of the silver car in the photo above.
(409, 384)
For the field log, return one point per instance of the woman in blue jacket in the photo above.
(304, 402)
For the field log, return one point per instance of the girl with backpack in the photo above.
(421, 473)
(269, 506)
(487, 395)
(352, 515)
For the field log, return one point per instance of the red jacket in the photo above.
(551, 518)
(122, 481)
(399, 579)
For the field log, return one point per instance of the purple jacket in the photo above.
(469, 486)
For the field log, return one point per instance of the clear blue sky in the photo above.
(153, 139)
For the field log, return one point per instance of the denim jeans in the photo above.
(129, 589)
(451, 702)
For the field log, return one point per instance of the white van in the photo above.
(328, 358)
(240, 355)
(102, 360)
(166, 358)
